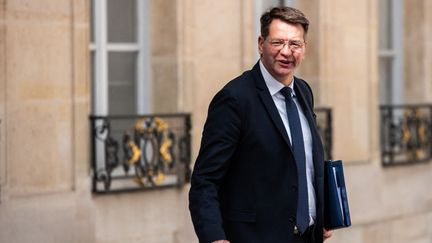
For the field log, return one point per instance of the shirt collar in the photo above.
(273, 85)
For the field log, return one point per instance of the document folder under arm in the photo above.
(336, 211)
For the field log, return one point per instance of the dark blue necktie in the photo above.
(297, 143)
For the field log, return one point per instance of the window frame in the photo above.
(101, 48)
(392, 90)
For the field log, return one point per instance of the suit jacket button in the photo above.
(296, 231)
(292, 219)
(294, 188)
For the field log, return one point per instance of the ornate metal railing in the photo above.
(406, 134)
(140, 152)
(324, 123)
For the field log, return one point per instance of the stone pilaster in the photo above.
(348, 80)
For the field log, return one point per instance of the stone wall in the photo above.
(164, 56)
(414, 51)
(217, 44)
(389, 204)
(44, 110)
(196, 48)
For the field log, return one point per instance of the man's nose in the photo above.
(286, 50)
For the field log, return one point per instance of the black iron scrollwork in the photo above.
(103, 133)
(406, 134)
(155, 143)
(148, 150)
(324, 125)
(415, 135)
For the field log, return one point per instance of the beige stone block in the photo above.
(162, 237)
(39, 62)
(2, 8)
(422, 240)
(345, 81)
(429, 221)
(186, 27)
(213, 40)
(163, 30)
(41, 10)
(81, 93)
(190, 94)
(2, 59)
(165, 85)
(351, 235)
(81, 13)
(2, 95)
(414, 51)
(39, 92)
(215, 49)
(134, 217)
(412, 228)
(428, 51)
(310, 67)
(350, 121)
(377, 232)
(404, 190)
(185, 232)
(82, 63)
(81, 138)
(364, 191)
(51, 219)
(188, 86)
(249, 37)
(212, 53)
(39, 147)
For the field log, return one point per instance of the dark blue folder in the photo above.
(336, 211)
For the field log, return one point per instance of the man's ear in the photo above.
(260, 44)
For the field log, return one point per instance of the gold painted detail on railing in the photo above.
(406, 135)
(140, 152)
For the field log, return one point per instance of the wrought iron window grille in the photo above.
(324, 124)
(132, 153)
(406, 134)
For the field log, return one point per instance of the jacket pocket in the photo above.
(240, 215)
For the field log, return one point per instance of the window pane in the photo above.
(267, 4)
(92, 23)
(122, 83)
(290, 3)
(122, 18)
(93, 78)
(385, 80)
(385, 25)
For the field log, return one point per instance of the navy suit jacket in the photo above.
(244, 184)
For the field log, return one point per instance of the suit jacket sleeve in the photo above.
(219, 141)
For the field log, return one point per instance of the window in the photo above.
(120, 63)
(119, 51)
(390, 52)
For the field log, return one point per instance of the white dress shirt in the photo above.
(274, 87)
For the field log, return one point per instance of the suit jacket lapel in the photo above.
(307, 110)
(269, 103)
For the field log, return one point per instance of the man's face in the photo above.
(283, 49)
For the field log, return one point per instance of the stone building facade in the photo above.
(194, 47)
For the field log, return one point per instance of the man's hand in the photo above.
(327, 234)
(221, 241)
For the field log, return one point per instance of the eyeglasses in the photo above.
(293, 45)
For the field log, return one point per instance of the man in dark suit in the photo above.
(259, 173)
